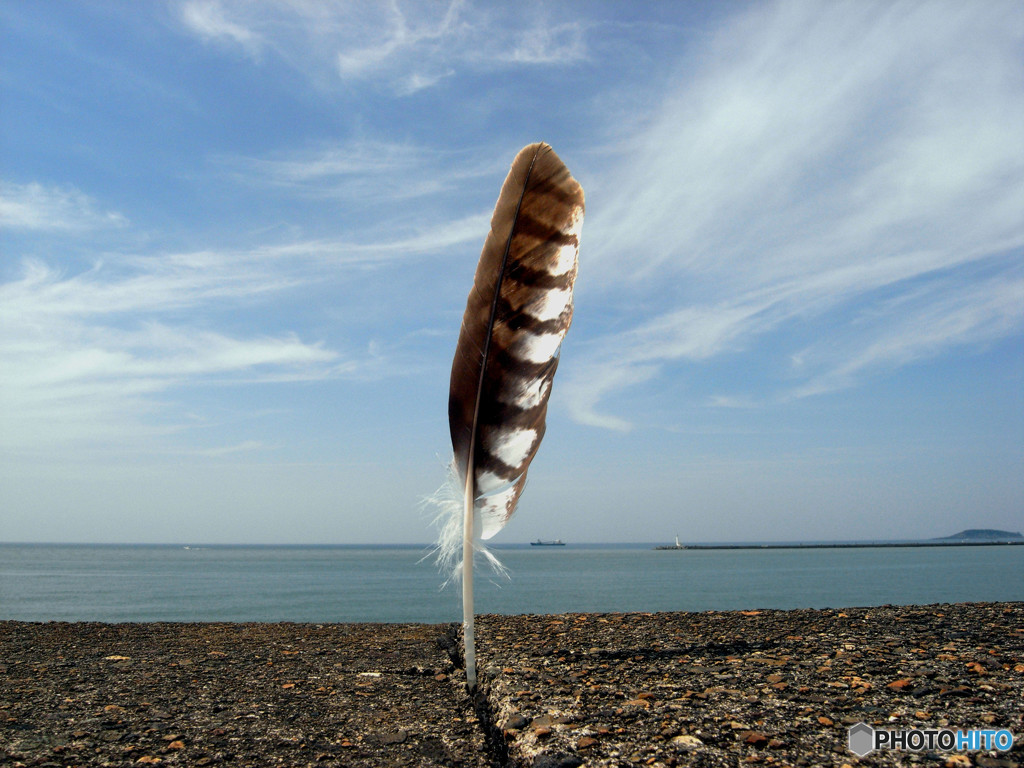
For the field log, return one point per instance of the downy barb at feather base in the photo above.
(518, 311)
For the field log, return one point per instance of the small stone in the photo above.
(393, 737)
(899, 685)
(516, 722)
(585, 742)
(557, 761)
(957, 761)
(176, 745)
(687, 743)
(826, 720)
(755, 739)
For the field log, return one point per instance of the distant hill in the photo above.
(982, 534)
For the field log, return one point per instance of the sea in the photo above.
(321, 584)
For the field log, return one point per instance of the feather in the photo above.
(517, 314)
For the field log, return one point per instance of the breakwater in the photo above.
(716, 688)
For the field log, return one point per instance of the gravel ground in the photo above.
(752, 687)
(239, 694)
(707, 689)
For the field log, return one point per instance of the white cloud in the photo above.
(104, 353)
(614, 362)
(420, 81)
(71, 370)
(403, 46)
(549, 44)
(208, 19)
(245, 446)
(362, 170)
(811, 160)
(37, 207)
(917, 326)
(396, 35)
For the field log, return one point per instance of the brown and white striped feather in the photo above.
(517, 314)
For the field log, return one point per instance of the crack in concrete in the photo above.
(494, 739)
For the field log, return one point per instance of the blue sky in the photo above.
(236, 240)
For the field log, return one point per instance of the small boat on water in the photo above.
(542, 543)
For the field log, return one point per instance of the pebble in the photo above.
(516, 722)
(755, 738)
(687, 743)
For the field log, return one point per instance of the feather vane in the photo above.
(517, 314)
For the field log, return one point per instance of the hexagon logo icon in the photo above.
(861, 739)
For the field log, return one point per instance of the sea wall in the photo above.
(709, 689)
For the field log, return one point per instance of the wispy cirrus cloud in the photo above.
(38, 207)
(209, 20)
(91, 356)
(916, 325)
(394, 35)
(102, 353)
(548, 43)
(818, 164)
(246, 446)
(367, 170)
(407, 47)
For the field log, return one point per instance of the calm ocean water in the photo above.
(330, 584)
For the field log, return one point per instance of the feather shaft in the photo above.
(468, 613)
(517, 314)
